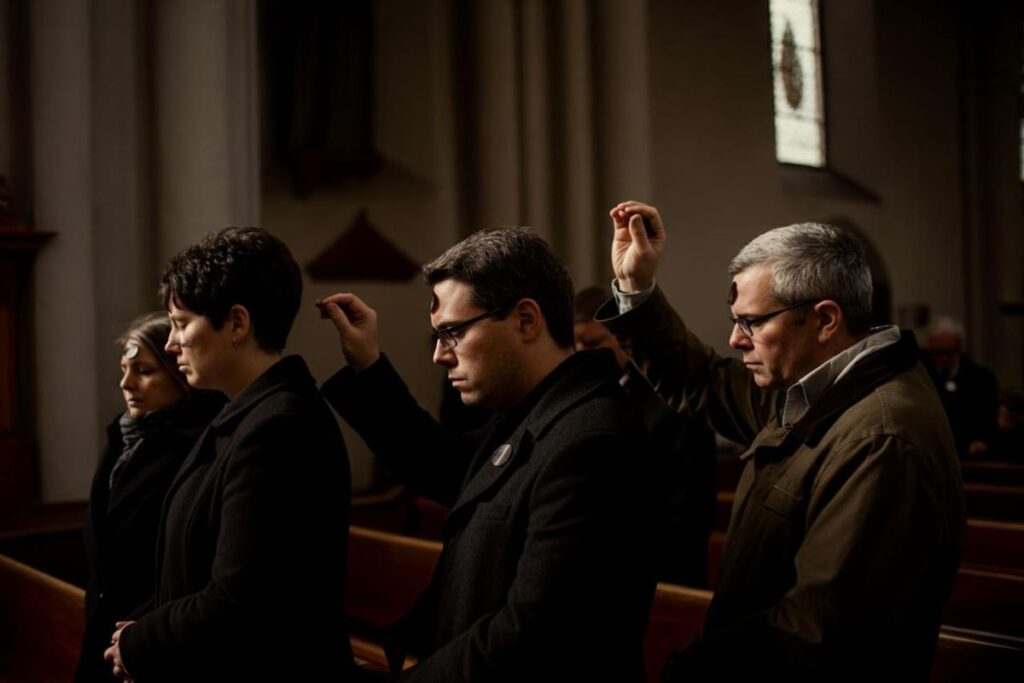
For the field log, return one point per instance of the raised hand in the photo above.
(357, 328)
(637, 244)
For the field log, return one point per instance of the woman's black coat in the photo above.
(121, 526)
(251, 559)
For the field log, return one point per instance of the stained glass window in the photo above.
(796, 73)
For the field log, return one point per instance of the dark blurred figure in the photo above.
(1008, 441)
(685, 454)
(969, 392)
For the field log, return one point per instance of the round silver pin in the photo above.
(501, 454)
(131, 349)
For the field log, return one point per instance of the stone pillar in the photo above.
(581, 244)
(65, 304)
(206, 116)
(622, 121)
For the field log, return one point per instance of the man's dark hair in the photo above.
(244, 266)
(505, 265)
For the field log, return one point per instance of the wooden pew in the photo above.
(41, 623)
(47, 537)
(388, 510)
(384, 567)
(992, 472)
(994, 545)
(995, 501)
(985, 598)
(386, 574)
(962, 655)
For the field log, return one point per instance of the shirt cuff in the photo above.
(627, 301)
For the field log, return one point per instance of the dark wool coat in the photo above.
(847, 527)
(121, 526)
(546, 572)
(251, 557)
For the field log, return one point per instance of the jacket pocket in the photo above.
(781, 501)
(496, 511)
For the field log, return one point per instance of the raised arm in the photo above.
(686, 373)
(371, 396)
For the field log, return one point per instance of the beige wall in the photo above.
(892, 127)
(411, 202)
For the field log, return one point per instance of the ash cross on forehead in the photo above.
(732, 294)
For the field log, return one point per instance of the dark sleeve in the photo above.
(410, 442)
(278, 562)
(573, 602)
(687, 374)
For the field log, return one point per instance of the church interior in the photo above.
(371, 135)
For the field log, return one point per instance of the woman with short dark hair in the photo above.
(251, 560)
(145, 447)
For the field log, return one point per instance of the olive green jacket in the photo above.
(847, 526)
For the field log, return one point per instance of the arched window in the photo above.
(796, 72)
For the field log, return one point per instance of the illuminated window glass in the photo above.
(796, 70)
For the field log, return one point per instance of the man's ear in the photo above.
(830, 319)
(239, 322)
(529, 318)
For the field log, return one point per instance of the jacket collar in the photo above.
(871, 371)
(575, 380)
(290, 370)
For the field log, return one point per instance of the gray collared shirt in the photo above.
(802, 395)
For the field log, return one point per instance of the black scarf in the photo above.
(133, 432)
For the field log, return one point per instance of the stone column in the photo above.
(65, 303)
(206, 118)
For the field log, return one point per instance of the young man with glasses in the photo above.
(547, 568)
(848, 520)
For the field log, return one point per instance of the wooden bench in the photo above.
(386, 574)
(985, 598)
(992, 472)
(41, 617)
(41, 623)
(995, 501)
(962, 655)
(47, 537)
(384, 567)
(994, 544)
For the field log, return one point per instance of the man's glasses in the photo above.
(449, 335)
(747, 325)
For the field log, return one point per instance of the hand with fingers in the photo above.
(113, 653)
(637, 244)
(357, 328)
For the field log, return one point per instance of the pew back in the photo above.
(41, 623)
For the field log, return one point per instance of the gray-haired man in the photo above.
(848, 520)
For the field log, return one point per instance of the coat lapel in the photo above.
(585, 373)
(203, 445)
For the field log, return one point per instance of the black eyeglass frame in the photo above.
(446, 335)
(746, 325)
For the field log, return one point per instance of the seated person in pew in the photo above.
(1008, 442)
(848, 520)
(968, 390)
(546, 571)
(684, 450)
(251, 556)
(145, 446)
